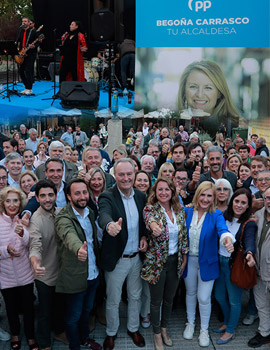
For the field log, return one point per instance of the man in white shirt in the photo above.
(124, 236)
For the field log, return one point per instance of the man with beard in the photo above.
(25, 38)
(78, 276)
(45, 261)
(195, 157)
(215, 158)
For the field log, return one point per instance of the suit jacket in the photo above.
(111, 208)
(72, 277)
(70, 170)
(213, 227)
(263, 256)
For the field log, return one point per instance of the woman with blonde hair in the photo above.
(165, 258)
(166, 170)
(219, 140)
(233, 163)
(206, 227)
(27, 180)
(203, 91)
(41, 157)
(16, 273)
(68, 153)
(118, 152)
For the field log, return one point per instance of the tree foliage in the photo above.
(11, 13)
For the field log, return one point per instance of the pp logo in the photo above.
(199, 5)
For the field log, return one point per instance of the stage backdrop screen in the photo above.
(204, 63)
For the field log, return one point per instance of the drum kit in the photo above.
(97, 70)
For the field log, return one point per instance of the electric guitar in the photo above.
(22, 53)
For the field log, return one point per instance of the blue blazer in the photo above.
(213, 227)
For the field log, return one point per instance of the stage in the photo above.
(41, 104)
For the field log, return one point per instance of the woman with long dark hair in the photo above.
(73, 47)
(227, 293)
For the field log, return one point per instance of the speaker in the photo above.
(77, 94)
(103, 25)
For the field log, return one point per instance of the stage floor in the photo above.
(42, 104)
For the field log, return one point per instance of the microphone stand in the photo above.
(55, 96)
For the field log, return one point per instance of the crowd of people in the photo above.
(82, 228)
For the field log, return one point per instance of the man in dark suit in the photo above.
(121, 218)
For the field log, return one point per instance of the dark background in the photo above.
(56, 16)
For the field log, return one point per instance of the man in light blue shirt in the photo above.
(78, 277)
(33, 141)
(67, 137)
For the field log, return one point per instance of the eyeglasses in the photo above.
(225, 189)
(3, 178)
(267, 198)
(263, 179)
(181, 178)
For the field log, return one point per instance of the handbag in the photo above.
(241, 274)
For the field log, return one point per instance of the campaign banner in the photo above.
(204, 63)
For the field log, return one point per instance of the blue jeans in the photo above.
(228, 295)
(78, 308)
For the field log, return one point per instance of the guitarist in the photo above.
(26, 35)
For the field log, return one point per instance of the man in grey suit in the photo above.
(121, 218)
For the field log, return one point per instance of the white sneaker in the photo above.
(249, 319)
(189, 331)
(145, 321)
(23, 92)
(204, 338)
(4, 336)
(28, 92)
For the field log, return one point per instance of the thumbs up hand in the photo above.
(228, 244)
(115, 227)
(156, 228)
(82, 252)
(19, 228)
(196, 174)
(38, 269)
